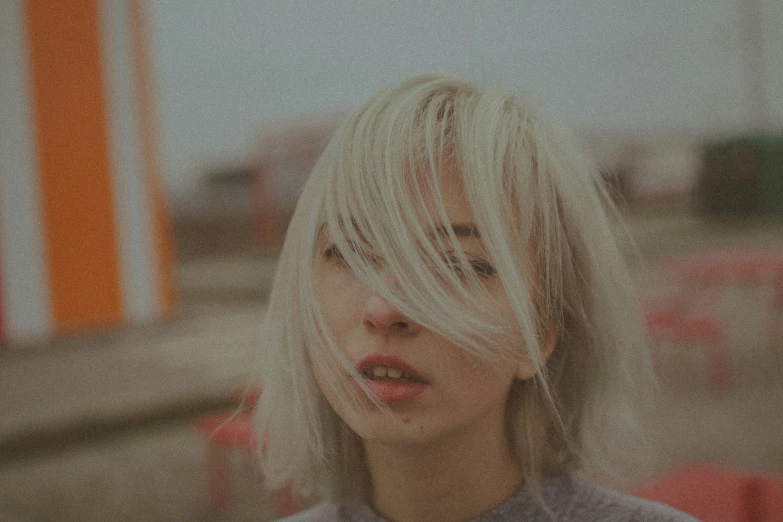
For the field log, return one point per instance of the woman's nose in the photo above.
(381, 316)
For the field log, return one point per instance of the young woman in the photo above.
(452, 331)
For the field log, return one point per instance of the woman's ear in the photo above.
(525, 369)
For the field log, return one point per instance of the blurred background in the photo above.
(151, 153)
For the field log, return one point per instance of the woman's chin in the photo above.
(399, 429)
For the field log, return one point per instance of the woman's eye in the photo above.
(480, 267)
(483, 268)
(333, 254)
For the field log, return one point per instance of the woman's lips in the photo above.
(391, 379)
(387, 391)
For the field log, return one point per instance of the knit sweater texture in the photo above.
(568, 498)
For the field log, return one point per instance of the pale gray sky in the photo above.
(614, 65)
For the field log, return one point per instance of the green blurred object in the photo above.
(742, 175)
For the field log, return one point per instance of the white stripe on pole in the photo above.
(24, 267)
(133, 209)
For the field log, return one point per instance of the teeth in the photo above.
(385, 373)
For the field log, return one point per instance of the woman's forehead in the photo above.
(446, 185)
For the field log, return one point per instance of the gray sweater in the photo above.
(570, 499)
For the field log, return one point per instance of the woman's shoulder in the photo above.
(594, 502)
(318, 513)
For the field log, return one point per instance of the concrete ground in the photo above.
(101, 428)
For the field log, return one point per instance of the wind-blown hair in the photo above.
(547, 224)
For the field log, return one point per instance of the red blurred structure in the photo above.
(770, 495)
(668, 321)
(722, 269)
(228, 432)
(675, 320)
(714, 493)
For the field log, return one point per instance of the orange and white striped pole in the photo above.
(85, 241)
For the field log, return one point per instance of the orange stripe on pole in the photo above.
(164, 247)
(70, 124)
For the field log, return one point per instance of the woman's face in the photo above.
(434, 389)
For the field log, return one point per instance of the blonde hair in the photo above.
(535, 197)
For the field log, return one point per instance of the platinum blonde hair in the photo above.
(547, 224)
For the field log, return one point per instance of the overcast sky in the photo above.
(223, 68)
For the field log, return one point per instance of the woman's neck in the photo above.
(455, 479)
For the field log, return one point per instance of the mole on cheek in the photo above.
(406, 420)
